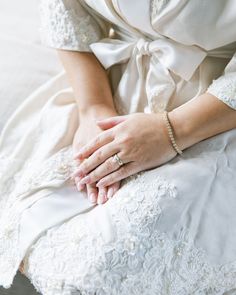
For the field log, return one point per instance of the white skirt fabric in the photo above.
(169, 230)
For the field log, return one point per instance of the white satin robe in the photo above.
(169, 230)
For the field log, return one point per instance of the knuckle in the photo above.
(98, 155)
(82, 169)
(109, 164)
(86, 149)
(123, 171)
(93, 176)
(111, 178)
(112, 134)
(85, 166)
(119, 172)
(97, 140)
(127, 139)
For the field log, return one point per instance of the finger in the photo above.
(77, 179)
(77, 165)
(112, 189)
(111, 122)
(79, 186)
(92, 193)
(124, 172)
(102, 139)
(102, 195)
(97, 158)
(109, 166)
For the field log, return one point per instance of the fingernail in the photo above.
(92, 198)
(80, 187)
(79, 156)
(85, 180)
(100, 199)
(110, 193)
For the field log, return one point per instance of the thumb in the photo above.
(111, 122)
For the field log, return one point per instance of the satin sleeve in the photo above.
(70, 25)
(224, 87)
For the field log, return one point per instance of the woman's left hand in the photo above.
(140, 140)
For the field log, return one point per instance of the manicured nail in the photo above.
(85, 180)
(110, 193)
(79, 156)
(79, 186)
(100, 199)
(92, 198)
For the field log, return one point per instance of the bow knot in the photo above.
(143, 47)
(150, 78)
(182, 59)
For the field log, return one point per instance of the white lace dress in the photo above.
(167, 231)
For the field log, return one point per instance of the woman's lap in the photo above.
(166, 230)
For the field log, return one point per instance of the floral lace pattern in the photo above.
(224, 88)
(140, 260)
(52, 173)
(67, 25)
(7, 178)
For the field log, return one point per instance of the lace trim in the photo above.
(8, 170)
(224, 88)
(52, 173)
(140, 260)
(68, 28)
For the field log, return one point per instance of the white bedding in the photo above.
(25, 64)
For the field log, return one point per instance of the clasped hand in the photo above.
(140, 140)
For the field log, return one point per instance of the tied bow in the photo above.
(148, 78)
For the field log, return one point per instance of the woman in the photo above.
(123, 180)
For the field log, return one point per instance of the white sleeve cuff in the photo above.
(224, 88)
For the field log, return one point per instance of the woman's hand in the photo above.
(140, 140)
(87, 131)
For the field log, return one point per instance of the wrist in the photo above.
(97, 111)
(182, 128)
(171, 133)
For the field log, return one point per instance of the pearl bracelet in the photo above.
(171, 134)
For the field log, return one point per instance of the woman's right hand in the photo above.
(88, 129)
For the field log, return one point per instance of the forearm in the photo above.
(88, 80)
(201, 118)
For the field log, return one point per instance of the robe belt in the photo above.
(183, 60)
(164, 55)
